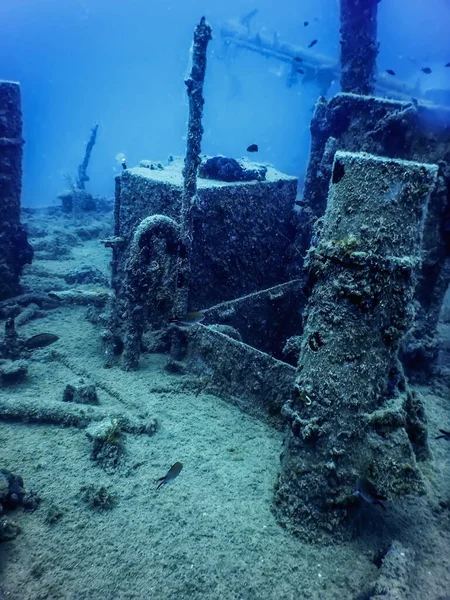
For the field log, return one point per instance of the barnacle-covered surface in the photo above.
(241, 230)
(364, 266)
(404, 130)
(241, 238)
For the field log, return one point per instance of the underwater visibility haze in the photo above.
(225, 300)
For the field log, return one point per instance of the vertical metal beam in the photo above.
(194, 85)
(15, 251)
(359, 46)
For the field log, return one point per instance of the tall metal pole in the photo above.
(194, 84)
(359, 46)
(15, 251)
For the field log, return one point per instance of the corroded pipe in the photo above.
(351, 414)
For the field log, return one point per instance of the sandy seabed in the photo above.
(211, 533)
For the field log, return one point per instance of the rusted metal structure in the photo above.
(356, 256)
(15, 251)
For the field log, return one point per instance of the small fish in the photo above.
(448, 64)
(298, 59)
(301, 71)
(190, 318)
(305, 23)
(445, 435)
(173, 472)
(313, 43)
(40, 340)
(390, 71)
(252, 148)
(366, 490)
(426, 70)
(415, 102)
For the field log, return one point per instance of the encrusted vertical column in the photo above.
(15, 251)
(352, 414)
(359, 46)
(194, 85)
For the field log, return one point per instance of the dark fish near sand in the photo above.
(448, 64)
(252, 148)
(313, 43)
(305, 23)
(40, 340)
(301, 71)
(190, 318)
(390, 71)
(367, 491)
(298, 59)
(426, 70)
(444, 435)
(173, 472)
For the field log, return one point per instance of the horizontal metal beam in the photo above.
(318, 67)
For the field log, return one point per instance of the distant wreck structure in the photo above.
(358, 37)
(76, 198)
(15, 251)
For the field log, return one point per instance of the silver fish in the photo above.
(190, 318)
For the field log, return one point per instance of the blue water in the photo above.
(121, 63)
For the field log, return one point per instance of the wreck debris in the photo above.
(80, 393)
(361, 299)
(14, 306)
(97, 297)
(13, 495)
(69, 414)
(98, 497)
(107, 448)
(15, 251)
(12, 371)
(251, 379)
(84, 373)
(222, 168)
(11, 346)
